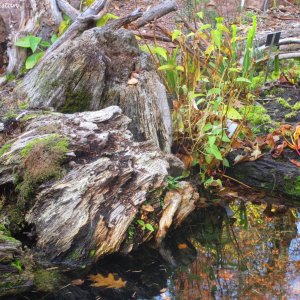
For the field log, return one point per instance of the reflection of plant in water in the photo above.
(250, 260)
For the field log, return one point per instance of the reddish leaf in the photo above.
(295, 162)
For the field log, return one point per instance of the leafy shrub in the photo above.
(209, 86)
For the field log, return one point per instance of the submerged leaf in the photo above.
(109, 282)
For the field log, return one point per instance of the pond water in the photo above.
(253, 254)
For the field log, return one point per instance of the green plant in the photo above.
(209, 86)
(5, 148)
(17, 264)
(36, 45)
(145, 226)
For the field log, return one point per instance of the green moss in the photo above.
(296, 106)
(5, 148)
(42, 160)
(47, 281)
(257, 116)
(23, 105)
(76, 102)
(5, 235)
(291, 115)
(283, 103)
(292, 186)
(28, 117)
(53, 142)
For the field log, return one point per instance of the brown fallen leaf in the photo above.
(109, 282)
(77, 282)
(133, 81)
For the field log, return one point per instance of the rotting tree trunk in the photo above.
(278, 176)
(35, 17)
(108, 177)
(92, 72)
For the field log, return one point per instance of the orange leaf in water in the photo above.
(182, 246)
(225, 274)
(295, 162)
(108, 282)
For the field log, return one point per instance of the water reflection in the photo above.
(253, 254)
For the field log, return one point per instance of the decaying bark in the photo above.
(92, 72)
(21, 18)
(279, 176)
(108, 178)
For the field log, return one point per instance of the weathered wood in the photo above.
(68, 9)
(156, 12)
(108, 176)
(279, 176)
(36, 17)
(92, 71)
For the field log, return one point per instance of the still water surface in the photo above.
(253, 254)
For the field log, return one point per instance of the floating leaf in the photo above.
(182, 246)
(109, 282)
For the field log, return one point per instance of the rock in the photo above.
(92, 72)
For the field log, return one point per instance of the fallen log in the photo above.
(83, 180)
(278, 176)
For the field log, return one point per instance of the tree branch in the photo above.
(68, 9)
(157, 12)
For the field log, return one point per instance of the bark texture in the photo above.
(21, 18)
(107, 178)
(92, 72)
(279, 176)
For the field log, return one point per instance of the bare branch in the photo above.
(68, 9)
(157, 12)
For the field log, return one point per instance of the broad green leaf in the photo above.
(226, 163)
(211, 140)
(214, 150)
(200, 14)
(29, 41)
(23, 42)
(45, 44)
(33, 59)
(141, 222)
(175, 34)
(53, 39)
(161, 51)
(149, 227)
(225, 138)
(101, 22)
(213, 91)
(232, 113)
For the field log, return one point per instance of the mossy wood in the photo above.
(92, 72)
(91, 188)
